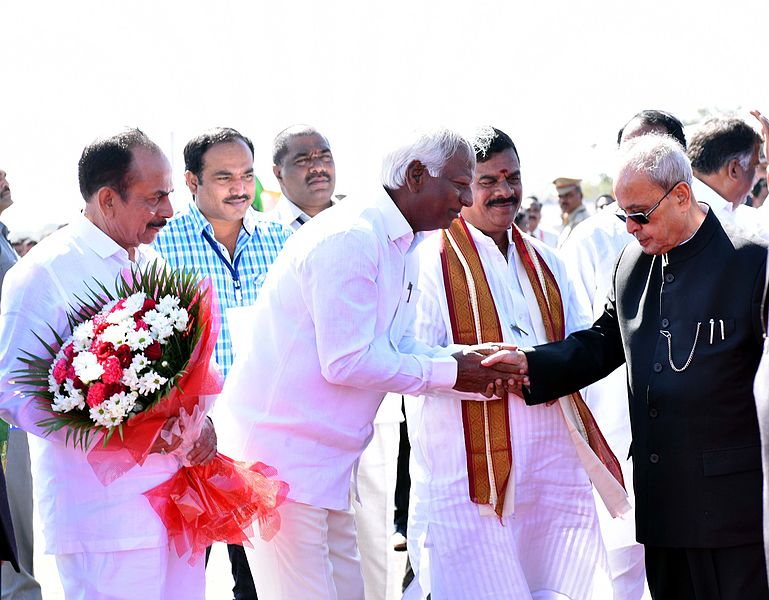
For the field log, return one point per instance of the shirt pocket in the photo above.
(405, 313)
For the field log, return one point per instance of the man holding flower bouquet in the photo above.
(108, 540)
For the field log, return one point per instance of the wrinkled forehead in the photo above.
(634, 189)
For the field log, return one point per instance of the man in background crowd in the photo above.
(533, 209)
(573, 212)
(724, 155)
(304, 167)
(221, 236)
(17, 579)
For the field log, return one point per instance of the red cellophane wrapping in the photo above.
(218, 502)
(202, 504)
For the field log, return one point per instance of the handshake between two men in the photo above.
(491, 370)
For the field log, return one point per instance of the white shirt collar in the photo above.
(289, 214)
(397, 227)
(102, 244)
(704, 193)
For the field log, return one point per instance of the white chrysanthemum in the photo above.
(139, 363)
(139, 339)
(82, 336)
(162, 332)
(180, 323)
(117, 334)
(87, 368)
(52, 384)
(106, 414)
(121, 315)
(150, 382)
(156, 320)
(167, 304)
(130, 379)
(124, 402)
(61, 403)
(78, 397)
(134, 302)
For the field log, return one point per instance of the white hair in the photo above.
(660, 157)
(431, 148)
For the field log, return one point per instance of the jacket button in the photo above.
(653, 413)
(665, 322)
(654, 458)
(669, 278)
(657, 367)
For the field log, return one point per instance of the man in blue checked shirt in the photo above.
(223, 237)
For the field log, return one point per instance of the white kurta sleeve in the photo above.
(341, 291)
(32, 302)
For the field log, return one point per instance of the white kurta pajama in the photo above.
(329, 335)
(549, 538)
(80, 515)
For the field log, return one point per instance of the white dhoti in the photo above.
(550, 544)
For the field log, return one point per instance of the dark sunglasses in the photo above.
(642, 218)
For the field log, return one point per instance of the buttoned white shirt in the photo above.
(79, 513)
(329, 335)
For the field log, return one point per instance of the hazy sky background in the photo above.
(559, 76)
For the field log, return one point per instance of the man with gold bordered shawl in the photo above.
(503, 506)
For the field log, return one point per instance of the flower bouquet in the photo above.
(138, 360)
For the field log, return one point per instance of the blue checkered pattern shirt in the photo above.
(181, 243)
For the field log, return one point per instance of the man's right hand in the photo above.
(513, 359)
(489, 381)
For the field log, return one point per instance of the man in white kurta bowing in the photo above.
(544, 541)
(108, 540)
(329, 336)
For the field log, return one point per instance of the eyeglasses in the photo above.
(642, 218)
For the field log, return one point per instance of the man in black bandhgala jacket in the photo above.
(684, 314)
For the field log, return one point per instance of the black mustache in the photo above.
(498, 201)
(161, 223)
(236, 198)
(314, 176)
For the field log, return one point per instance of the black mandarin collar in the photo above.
(709, 227)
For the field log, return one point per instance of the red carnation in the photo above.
(69, 352)
(149, 304)
(113, 388)
(77, 384)
(153, 351)
(140, 324)
(96, 395)
(103, 350)
(123, 354)
(120, 305)
(112, 370)
(60, 371)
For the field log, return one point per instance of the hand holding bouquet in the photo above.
(138, 363)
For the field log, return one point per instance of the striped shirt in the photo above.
(183, 243)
